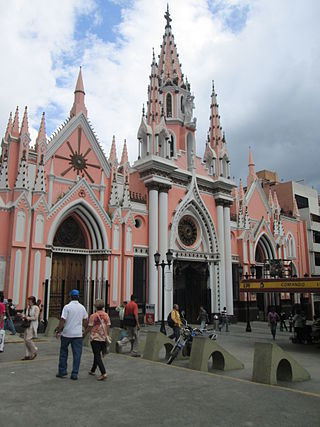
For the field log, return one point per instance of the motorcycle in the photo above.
(184, 342)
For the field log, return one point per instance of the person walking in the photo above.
(2, 331)
(131, 323)
(224, 320)
(298, 325)
(273, 318)
(203, 317)
(32, 315)
(10, 313)
(120, 309)
(283, 321)
(98, 326)
(74, 316)
(176, 322)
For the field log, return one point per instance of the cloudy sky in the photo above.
(264, 56)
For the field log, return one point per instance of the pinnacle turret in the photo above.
(9, 127)
(15, 125)
(252, 173)
(24, 125)
(169, 65)
(215, 129)
(78, 104)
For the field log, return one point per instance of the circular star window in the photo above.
(187, 230)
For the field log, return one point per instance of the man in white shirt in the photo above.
(73, 318)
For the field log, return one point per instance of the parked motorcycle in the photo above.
(184, 342)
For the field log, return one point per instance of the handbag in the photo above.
(25, 324)
(107, 338)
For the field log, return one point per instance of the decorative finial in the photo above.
(212, 85)
(142, 110)
(167, 16)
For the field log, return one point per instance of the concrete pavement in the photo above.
(142, 393)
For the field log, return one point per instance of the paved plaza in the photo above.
(143, 393)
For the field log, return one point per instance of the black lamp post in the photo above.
(252, 274)
(163, 264)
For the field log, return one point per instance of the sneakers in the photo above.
(61, 375)
(135, 354)
(74, 377)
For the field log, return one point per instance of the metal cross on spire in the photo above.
(167, 16)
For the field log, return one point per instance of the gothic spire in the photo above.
(169, 65)
(24, 124)
(252, 173)
(78, 104)
(124, 158)
(215, 134)
(9, 126)
(153, 110)
(15, 126)
(113, 151)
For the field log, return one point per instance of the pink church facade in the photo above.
(70, 217)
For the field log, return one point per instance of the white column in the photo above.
(223, 302)
(153, 248)
(228, 260)
(163, 247)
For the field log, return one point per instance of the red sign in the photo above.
(150, 314)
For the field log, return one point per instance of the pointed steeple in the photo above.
(42, 130)
(24, 125)
(124, 157)
(9, 127)
(15, 125)
(252, 173)
(215, 129)
(276, 202)
(169, 65)
(113, 151)
(154, 105)
(78, 104)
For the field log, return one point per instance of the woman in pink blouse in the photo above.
(98, 326)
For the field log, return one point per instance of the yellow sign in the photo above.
(280, 285)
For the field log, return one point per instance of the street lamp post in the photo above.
(252, 274)
(163, 264)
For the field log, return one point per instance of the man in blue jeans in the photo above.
(74, 316)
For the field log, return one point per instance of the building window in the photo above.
(171, 146)
(169, 105)
(317, 258)
(302, 202)
(316, 237)
(182, 105)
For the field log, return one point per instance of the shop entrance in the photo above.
(190, 288)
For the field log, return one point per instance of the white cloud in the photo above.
(265, 72)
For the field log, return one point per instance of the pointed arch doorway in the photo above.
(68, 267)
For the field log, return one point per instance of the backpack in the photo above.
(170, 321)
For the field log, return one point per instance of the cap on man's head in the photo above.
(74, 293)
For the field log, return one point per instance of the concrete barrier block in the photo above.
(51, 326)
(272, 364)
(204, 348)
(154, 343)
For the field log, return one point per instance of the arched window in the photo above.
(171, 147)
(169, 105)
(182, 105)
